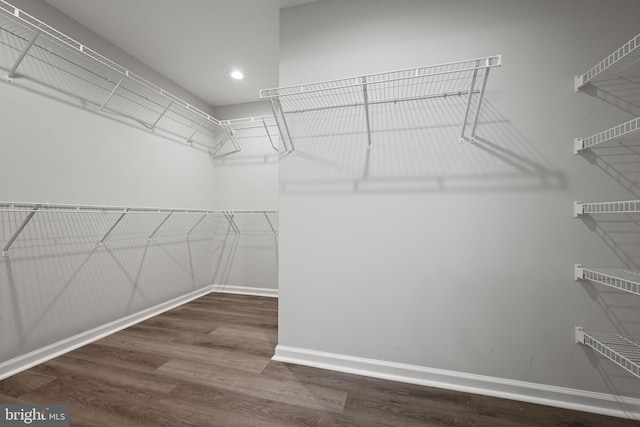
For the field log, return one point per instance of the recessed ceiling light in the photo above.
(235, 74)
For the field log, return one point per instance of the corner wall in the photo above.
(457, 258)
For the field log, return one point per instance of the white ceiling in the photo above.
(194, 43)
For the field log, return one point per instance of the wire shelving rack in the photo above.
(31, 48)
(624, 280)
(614, 64)
(16, 218)
(466, 79)
(622, 64)
(262, 129)
(623, 351)
(615, 133)
(617, 64)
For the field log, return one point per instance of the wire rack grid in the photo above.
(624, 280)
(618, 207)
(252, 130)
(615, 64)
(42, 224)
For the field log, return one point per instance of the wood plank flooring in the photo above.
(208, 363)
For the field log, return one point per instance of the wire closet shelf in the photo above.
(258, 128)
(622, 63)
(16, 217)
(623, 351)
(624, 280)
(33, 49)
(466, 79)
(615, 64)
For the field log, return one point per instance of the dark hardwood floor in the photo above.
(208, 363)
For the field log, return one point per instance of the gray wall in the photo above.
(459, 257)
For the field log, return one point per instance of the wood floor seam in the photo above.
(208, 363)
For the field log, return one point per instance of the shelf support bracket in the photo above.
(232, 136)
(5, 249)
(232, 223)
(197, 224)
(266, 129)
(578, 145)
(115, 224)
(278, 114)
(466, 113)
(579, 335)
(269, 222)
(153, 126)
(578, 210)
(23, 54)
(160, 225)
(578, 272)
(482, 89)
(195, 132)
(579, 82)
(366, 109)
(113, 92)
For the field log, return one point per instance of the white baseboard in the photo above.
(41, 355)
(579, 400)
(245, 290)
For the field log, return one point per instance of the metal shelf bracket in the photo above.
(5, 249)
(578, 210)
(115, 224)
(12, 72)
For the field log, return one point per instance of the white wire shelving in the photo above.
(623, 351)
(621, 207)
(614, 64)
(624, 280)
(262, 129)
(16, 217)
(466, 79)
(30, 48)
(615, 133)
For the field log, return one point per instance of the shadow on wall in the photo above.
(57, 280)
(415, 148)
